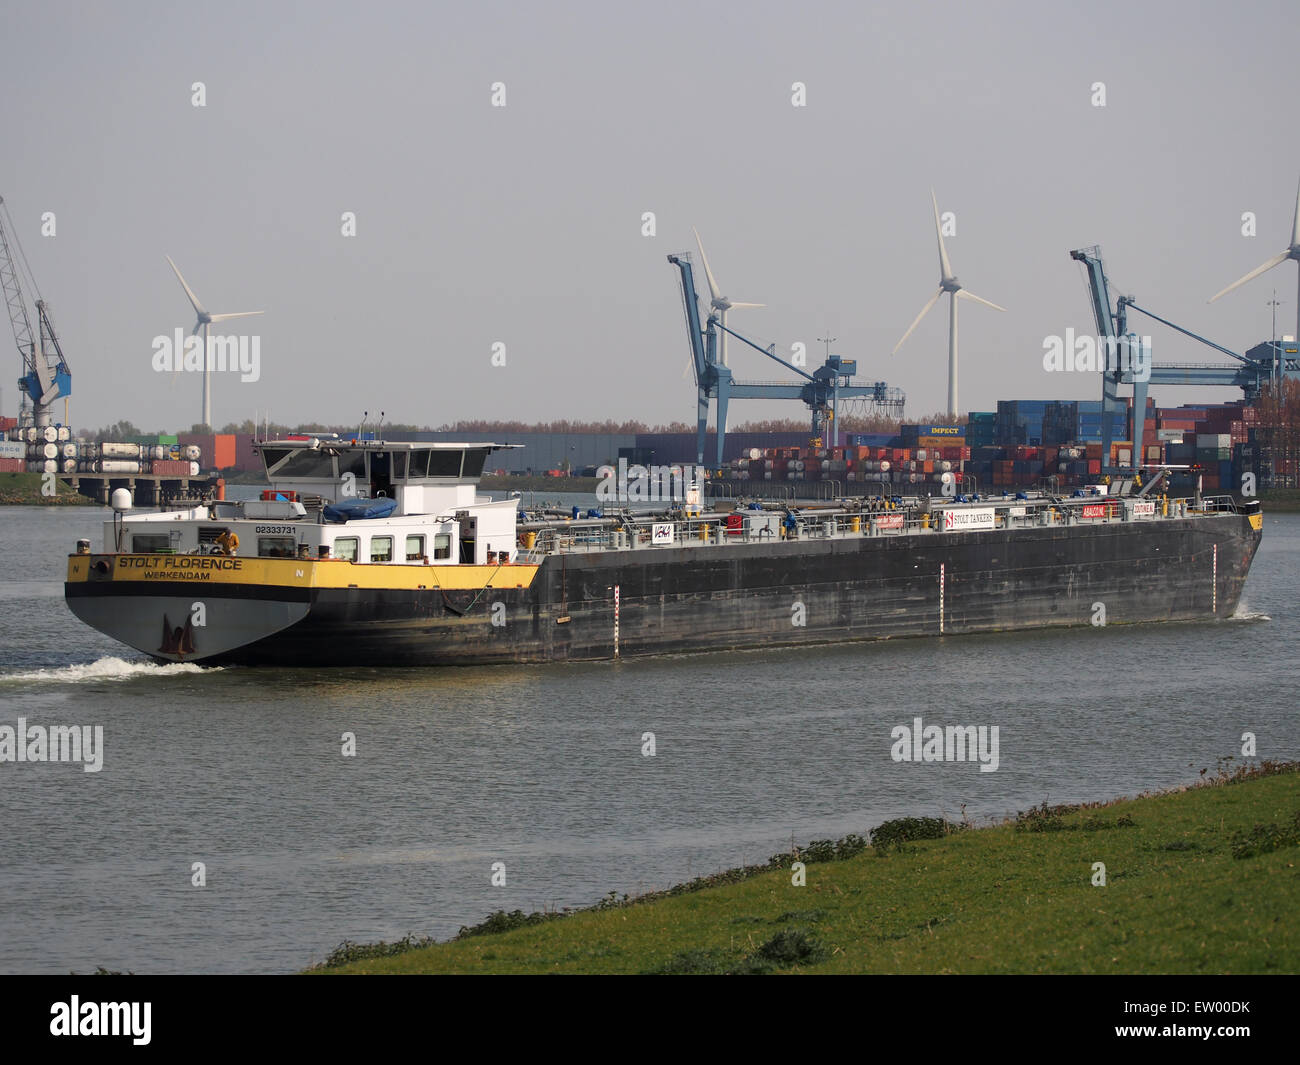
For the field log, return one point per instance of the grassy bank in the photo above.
(1281, 500)
(24, 489)
(1202, 880)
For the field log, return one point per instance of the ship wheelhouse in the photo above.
(360, 501)
(436, 515)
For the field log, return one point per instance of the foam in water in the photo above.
(1244, 613)
(106, 669)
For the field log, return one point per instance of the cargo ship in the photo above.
(374, 553)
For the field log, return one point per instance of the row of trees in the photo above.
(124, 429)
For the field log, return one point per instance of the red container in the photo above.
(170, 468)
(12, 465)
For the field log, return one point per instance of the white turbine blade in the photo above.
(713, 285)
(924, 311)
(1295, 220)
(735, 305)
(944, 264)
(1281, 257)
(237, 314)
(194, 300)
(963, 294)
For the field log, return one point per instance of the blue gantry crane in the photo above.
(46, 376)
(821, 390)
(1266, 362)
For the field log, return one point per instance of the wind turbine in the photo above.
(205, 320)
(1292, 252)
(947, 283)
(718, 301)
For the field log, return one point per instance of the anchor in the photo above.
(177, 641)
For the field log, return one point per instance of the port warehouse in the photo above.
(1019, 444)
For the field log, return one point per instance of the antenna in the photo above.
(828, 341)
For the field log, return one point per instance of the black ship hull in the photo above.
(688, 599)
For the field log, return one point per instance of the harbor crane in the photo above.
(1251, 372)
(821, 390)
(45, 375)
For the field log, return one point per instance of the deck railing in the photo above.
(712, 529)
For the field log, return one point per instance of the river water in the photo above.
(542, 768)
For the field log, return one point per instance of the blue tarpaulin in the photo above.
(350, 509)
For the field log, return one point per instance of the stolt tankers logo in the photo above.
(980, 518)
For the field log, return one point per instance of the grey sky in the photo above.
(522, 225)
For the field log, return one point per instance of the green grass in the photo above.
(24, 489)
(1014, 898)
(1281, 500)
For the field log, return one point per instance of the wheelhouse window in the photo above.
(414, 548)
(444, 463)
(353, 462)
(442, 545)
(298, 462)
(277, 546)
(155, 543)
(475, 457)
(345, 547)
(381, 549)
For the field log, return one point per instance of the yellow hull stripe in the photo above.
(299, 573)
(1257, 521)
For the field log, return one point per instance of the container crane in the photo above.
(1250, 373)
(821, 391)
(45, 375)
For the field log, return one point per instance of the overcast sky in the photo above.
(523, 224)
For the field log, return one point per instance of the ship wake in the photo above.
(1244, 613)
(105, 669)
